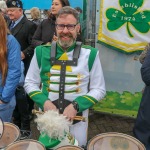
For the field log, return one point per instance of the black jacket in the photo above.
(23, 32)
(44, 33)
(142, 125)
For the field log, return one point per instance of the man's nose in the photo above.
(65, 30)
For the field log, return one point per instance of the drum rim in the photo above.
(69, 146)
(16, 128)
(133, 139)
(26, 140)
(17, 138)
(12, 125)
(3, 127)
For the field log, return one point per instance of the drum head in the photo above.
(26, 145)
(69, 147)
(112, 141)
(1, 127)
(11, 133)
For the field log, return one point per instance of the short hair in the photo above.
(68, 11)
(3, 6)
(78, 9)
(35, 13)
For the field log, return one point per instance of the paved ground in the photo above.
(101, 123)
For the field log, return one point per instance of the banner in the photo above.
(122, 104)
(125, 24)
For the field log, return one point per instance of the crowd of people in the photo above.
(42, 62)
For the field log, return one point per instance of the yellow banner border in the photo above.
(115, 44)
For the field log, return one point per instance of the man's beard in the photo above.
(67, 43)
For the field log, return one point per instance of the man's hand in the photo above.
(70, 112)
(22, 56)
(48, 105)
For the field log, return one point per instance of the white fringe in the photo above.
(55, 125)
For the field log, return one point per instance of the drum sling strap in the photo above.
(62, 103)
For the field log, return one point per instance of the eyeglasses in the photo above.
(70, 27)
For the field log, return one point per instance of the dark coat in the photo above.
(44, 33)
(23, 32)
(142, 125)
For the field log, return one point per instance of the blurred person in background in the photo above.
(10, 71)
(46, 31)
(3, 10)
(35, 15)
(79, 10)
(141, 128)
(46, 13)
(23, 30)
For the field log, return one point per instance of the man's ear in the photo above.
(21, 10)
(78, 28)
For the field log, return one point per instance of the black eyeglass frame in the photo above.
(67, 26)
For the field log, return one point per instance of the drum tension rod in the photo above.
(80, 118)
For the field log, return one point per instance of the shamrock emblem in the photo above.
(13, 3)
(129, 15)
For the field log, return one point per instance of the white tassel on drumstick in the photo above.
(55, 126)
(52, 123)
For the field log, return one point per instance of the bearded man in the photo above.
(66, 76)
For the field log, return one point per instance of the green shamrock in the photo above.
(129, 15)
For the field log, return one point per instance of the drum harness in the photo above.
(61, 103)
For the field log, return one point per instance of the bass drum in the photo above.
(26, 145)
(113, 140)
(69, 147)
(11, 133)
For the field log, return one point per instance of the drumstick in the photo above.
(80, 118)
(34, 111)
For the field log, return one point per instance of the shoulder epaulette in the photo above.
(93, 53)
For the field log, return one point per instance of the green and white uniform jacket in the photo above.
(42, 80)
(84, 83)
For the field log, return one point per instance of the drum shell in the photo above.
(1, 127)
(26, 145)
(11, 133)
(111, 139)
(70, 147)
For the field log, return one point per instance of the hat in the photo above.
(14, 3)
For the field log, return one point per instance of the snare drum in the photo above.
(26, 145)
(11, 134)
(113, 140)
(69, 147)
